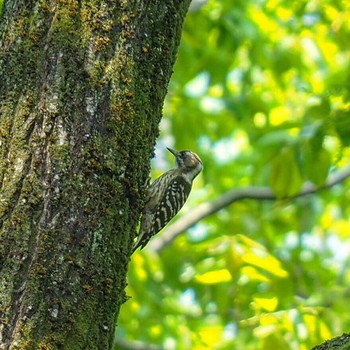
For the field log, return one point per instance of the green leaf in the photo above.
(341, 121)
(317, 166)
(285, 178)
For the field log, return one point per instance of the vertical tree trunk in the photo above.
(82, 85)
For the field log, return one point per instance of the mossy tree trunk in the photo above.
(82, 85)
(339, 343)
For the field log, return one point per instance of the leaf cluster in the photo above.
(261, 92)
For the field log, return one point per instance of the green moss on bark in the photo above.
(83, 93)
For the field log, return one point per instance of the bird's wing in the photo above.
(172, 200)
(165, 198)
(155, 191)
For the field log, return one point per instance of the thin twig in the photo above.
(253, 192)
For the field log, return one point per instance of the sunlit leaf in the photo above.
(213, 277)
(210, 336)
(253, 274)
(266, 304)
(265, 262)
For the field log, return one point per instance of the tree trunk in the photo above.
(82, 85)
(339, 343)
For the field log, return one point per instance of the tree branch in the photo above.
(231, 196)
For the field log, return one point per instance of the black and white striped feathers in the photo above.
(167, 195)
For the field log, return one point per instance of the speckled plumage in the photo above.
(167, 195)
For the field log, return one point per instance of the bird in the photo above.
(167, 195)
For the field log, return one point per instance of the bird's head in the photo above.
(188, 161)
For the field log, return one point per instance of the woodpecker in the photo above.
(167, 195)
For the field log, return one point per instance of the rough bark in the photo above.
(339, 343)
(81, 90)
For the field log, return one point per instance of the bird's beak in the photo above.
(175, 153)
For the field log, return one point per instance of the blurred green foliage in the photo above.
(261, 92)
